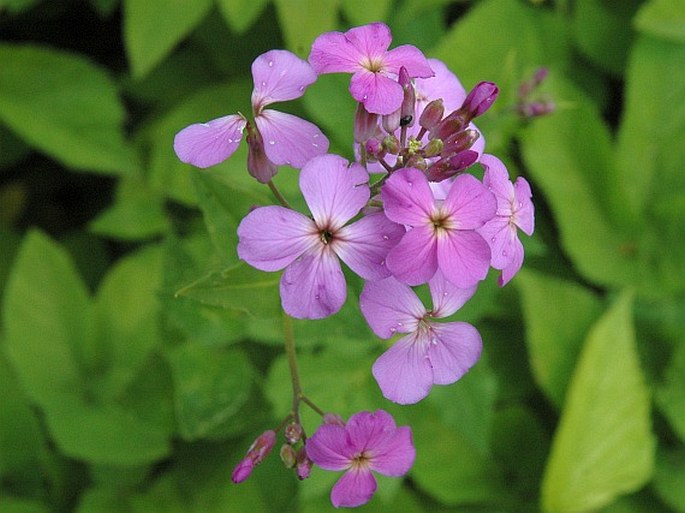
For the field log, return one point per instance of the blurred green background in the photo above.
(139, 358)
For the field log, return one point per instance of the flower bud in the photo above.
(454, 122)
(447, 167)
(258, 164)
(433, 148)
(365, 124)
(303, 466)
(288, 456)
(333, 418)
(462, 160)
(259, 450)
(391, 122)
(242, 471)
(293, 432)
(480, 99)
(373, 147)
(432, 114)
(416, 161)
(535, 109)
(460, 141)
(408, 107)
(391, 144)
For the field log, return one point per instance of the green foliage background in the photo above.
(139, 358)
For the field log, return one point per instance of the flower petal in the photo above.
(313, 286)
(272, 237)
(354, 488)
(329, 449)
(444, 84)
(415, 258)
(379, 93)
(447, 298)
(463, 257)
(515, 263)
(333, 191)
(396, 456)
(390, 306)
(288, 139)
(279, 75)
(409, 57)
(403, 372)
(456, 349)
(332, 52)
(371, 40)
(470, 203)
(496, 179)
(407, 197)
(206, 144)
(366, 430)
(524, 211)
(364, 245)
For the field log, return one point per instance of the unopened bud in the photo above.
(432, 114)
(304, 465)
(480, 99)
(333, 418)
(416, 161)
(391, 122)
(433, 148)
(293, 432)
(536, 109)
(463, 160)
(373, 147)
(242, 471)
(408, 106)
(447, 167)
(365, 124)
(258, 164)
(288, 456)
(454, 122)
(391, 144)
(259, 450)
(460, 141)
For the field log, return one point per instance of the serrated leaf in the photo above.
(662, 18)
(603, 446)
(46, 313)
(555, 330)
(239, 288)
(302, 21)
(241, 14)
(65, 106)
(152, 29)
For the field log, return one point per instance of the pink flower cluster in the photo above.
(426, 219)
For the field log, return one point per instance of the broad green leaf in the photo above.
(127, 318)
(154, 27)
(609, 46)
(137, 213)
(211, 385)
(65, 106)
(603, 446)
(670, 396)
(12, 148)
(102, 500)
(302, 21)
(241, 14)
(662, 18)
(586, 197)
(669, 478)
(239, 288)
(10, 504)
(104, 434)
(555, 329)
(46, 314)
(360, 12)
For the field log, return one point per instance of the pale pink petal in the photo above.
(313, 286)
(396, 456)
(470, 203)
(364, 245)
(500, 235)
(354, 488)
(524, 216)
(407, 197)
(206, 144)
(367, 431)
(288, 139)
(496, 179)
(409, 57)
(403, 372)
(515, 263)
(456, 349)
(272, 237)
(390, 306)
(328, 447)
(447, 298)
(444, 84)
(415, 258)
(371, 40)
(279, 76)
(378, 93)
(333, 191)
(332, 52)
(463, 257)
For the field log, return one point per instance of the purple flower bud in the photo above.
(454, 122)
(288, 456)
(460, 141)
(462, 160)
(391, 144)
(409, 100)
(432, 114)
(242, 470)
(261, 447)
(447, 167)
(536, 109)
(304, 464)
(333, 418)
(258, 165)
(540, 75)
(365, 124)
(373, 147)
(480, 99)
(391, 122)
(293, 432)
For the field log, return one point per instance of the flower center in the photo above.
(373, 65)
(325, 236)
(361, 460)
(442, 223)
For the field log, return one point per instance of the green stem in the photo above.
(281, 199)
(289, 337)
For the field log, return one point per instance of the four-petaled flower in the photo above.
(432, 353)
(272, 238)
(368, 442)
(285, 139)
(514, 210)
(363, 51)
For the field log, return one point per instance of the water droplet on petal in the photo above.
(393, 329)
(263, 83)
(504, 253)
(230, 141)
(410, 184)
(317, 297)
(272, 142)
(385, 237)
(301, 88)
(520, 204)
(445, 294)
(400, 324)
(382, 262)
(271, 63)
(365, 97)
(493, 239)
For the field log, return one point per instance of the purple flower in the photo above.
(363, 51)
(278, 76)
(514, 210)
(443, 232)
(274, 237)
(432, 353)
(259, 450)
(369, 442)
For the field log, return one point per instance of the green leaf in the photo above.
(239, 288)
(17, 6)
(46, 313)
(360, 12)
(102, 500)
(16, 505)
(670, 396)
(64, 105)
(555, 329)
(603, 446)
(211, 385)
(302, 21)
(153, 28)
(669, 478)
(662, 18)
(241, 14)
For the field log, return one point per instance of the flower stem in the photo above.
(292, 364)
(281, 199)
